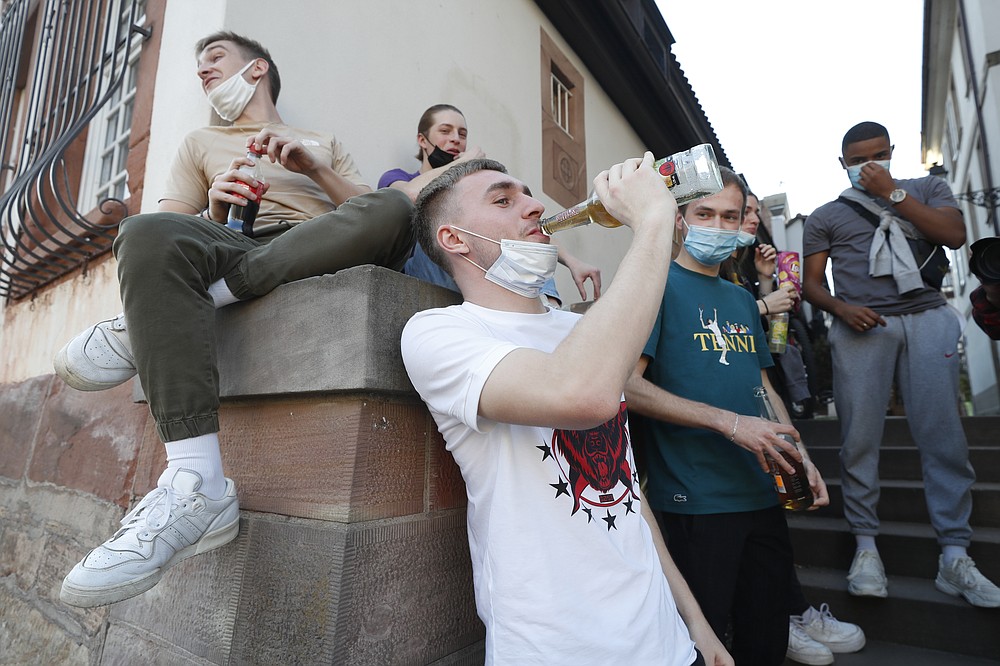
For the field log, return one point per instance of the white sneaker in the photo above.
(170, 524)
(803, 649)
(98, 358)
(824, 628)
(963, 579)
(867, 575)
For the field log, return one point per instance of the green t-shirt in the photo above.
(707, 345)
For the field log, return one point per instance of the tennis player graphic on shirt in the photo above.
(713, 326)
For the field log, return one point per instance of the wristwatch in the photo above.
(897, 195)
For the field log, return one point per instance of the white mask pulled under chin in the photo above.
(522, 267)
(230, 97)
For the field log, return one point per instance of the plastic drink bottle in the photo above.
(241, 218)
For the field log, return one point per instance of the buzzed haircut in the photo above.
(434, 204)
(251, 49)
(863, 132)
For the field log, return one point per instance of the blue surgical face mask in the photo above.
(710, 246)
(854, 172)
(745, 239)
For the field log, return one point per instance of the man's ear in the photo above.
(449, 241)
(843, 164)
(259, 69)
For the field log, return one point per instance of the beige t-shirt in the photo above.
(292, 197)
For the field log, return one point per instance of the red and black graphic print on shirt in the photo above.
(596, 469)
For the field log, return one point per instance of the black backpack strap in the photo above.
(860, 210)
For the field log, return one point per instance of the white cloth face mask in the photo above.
(230, 97)
(522, 267)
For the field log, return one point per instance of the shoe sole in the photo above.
(845, 647)
(88, 597)
(946, 587)
(62, 368)
(810, 661)
(879, 593)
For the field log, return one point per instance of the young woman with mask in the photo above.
(442, 140)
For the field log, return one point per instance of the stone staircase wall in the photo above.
(352, 545)
(915, 613)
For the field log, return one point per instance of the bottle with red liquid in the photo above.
(793, 489)
(241, 218)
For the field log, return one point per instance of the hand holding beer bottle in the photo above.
(690, 174)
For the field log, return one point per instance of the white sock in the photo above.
(200, 454)
(951, 553)
(865, 542)
(219, 291)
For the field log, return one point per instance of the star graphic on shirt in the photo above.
(628, 507)
(610, 520)
(546, 451)
(590, 514)
(562, 488)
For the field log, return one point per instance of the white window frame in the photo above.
(105, 175)
(562, 97)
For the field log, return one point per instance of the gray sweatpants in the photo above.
(920, 350)
(166, 262)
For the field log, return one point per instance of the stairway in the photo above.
(915, 613)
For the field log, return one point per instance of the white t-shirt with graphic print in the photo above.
(564, 565)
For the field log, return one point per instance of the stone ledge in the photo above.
(359, 312)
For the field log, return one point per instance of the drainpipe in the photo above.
(988, 168)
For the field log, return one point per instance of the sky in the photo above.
(781, 81)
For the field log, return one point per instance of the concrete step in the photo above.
(979, 431)
(915, 615)
(903, 462)
(880, 653)
(903, 501)
(906, 549)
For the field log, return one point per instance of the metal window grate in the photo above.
(561, 96)
(78, 67)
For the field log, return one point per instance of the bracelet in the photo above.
(206, 215)
(732, 435)
(767, 310)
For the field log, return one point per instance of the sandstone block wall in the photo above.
(352, 545)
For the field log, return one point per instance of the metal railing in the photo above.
(79, 63)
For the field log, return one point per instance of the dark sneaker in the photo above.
(98, 358)
(169, 525)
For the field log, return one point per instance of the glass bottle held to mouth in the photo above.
(690, 174)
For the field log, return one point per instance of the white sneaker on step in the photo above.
(804, 650)
(824, 628)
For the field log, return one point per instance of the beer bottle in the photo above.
(690, 174)
(793, 489)
(777, 334)
(241, 218)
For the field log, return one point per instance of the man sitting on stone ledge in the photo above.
(568, 563)
(176, 266)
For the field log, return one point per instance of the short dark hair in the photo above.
(435, 203)
(251, 49)
(863, 132)
(427, 120)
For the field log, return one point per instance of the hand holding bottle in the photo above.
(634, 193)
(234, 187)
